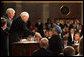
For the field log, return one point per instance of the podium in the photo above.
(24, 48)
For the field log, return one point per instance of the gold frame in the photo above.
(69, 10)
(41, 1)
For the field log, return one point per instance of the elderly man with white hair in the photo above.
(10, 13)
(42, 51)
(19, 30)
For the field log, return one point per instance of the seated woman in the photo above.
(4, 38)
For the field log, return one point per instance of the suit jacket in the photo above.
(80, 32)
(28, 24)
(55, 45)
(73, 42)
(19, 30)
(75, 46)
(70, 26)
(70, 37)
(3, 43)
(68, 44)
(8, 22)
(47, 27)
(40, 28)
(41, 52)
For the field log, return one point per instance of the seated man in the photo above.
(46, 33)
(43, 48)
(69, 51)
(19, 29)
(39, 26)
(75, 43)
(3, 38)
(50, 34)
(55, 45)
(71, 35)
(76, 39)
(65, 42)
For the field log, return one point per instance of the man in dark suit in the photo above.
(69, 51)
(4, 50)
(49, 25)
(42, 51)
(76, 39)
(29, 24)
(66, 43)
(80, 30)
(55, 45)
(39, 26)
(10, 13)
(71, 35)
(75, 43)
(19, 29)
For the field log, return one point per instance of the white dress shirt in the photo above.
(72, 36)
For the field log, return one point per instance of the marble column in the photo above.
(45, 12)
(82, 13)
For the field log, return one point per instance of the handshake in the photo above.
(37, 35)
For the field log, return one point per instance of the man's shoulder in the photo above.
(17, 20)
(35, 51)
(5, 16)
(40, 50)
(3, 32)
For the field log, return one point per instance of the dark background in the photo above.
(36, 10)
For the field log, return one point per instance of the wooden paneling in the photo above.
(21, 49)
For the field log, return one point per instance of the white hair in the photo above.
(44, 39)
(44, 43)
(24, 14)
(9, 10)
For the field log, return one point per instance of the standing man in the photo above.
(39, 26)
(10, 13)
(19, 29)
(4, 47)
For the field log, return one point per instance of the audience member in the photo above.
(80, 50)
(71, 35)
(55, 45)
(65, 42)
(42, 51)
(39, 26)
(49, 25)
(69, 51)
(4, 44)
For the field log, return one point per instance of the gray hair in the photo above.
(24, 14)
(9, 10)
(69, 51)
(44, 42)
